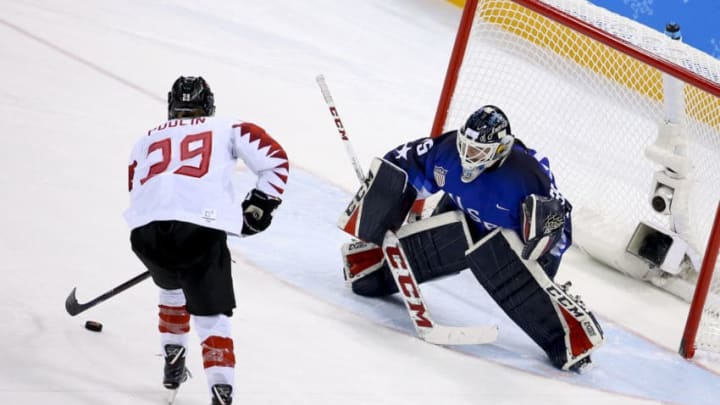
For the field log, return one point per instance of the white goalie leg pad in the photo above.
(360, 258)
(425, 327)
(570, 336)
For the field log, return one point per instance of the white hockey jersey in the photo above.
(184, 170)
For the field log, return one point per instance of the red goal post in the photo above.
(623, 111)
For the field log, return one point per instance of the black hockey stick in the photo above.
(73, 307)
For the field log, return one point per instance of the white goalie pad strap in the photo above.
(360, 258)
(582, 332)
(436, 221)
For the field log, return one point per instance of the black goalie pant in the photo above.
(196, 259)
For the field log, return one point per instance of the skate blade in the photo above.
(171, 396)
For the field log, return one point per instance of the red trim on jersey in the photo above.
(131, 174)
(175, 320)
(218, 351)
(285, 165)
(282, 177)
(280, 190)
(258, 134)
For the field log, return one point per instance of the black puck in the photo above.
(93, 326)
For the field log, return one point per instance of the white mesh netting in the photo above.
(593, 111)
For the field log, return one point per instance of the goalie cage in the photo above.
(632, 118)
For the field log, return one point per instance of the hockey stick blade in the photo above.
(461, 335)
(73, 307)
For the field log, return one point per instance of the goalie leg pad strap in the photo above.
(381, 204)
(557, 322)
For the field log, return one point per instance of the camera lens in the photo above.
(658, 204)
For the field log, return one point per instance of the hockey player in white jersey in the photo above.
(182, 206)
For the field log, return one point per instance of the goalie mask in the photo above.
(190, 97)
(483, 140)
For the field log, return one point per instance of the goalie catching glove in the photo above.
(258, 209)
(543, 220)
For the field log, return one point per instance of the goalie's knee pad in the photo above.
(435, 247)
(381, 204)
(558, 322)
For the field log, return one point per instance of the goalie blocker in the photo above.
(380, 205)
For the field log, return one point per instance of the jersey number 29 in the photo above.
(202, 148)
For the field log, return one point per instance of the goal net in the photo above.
(630, 119)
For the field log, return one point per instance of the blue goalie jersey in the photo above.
(494, 199)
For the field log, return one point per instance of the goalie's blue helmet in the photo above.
(190, 96)
(483, 140)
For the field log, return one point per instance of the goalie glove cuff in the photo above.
(258, 209)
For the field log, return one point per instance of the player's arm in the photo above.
(265, 157)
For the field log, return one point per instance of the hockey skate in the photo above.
(175, 371)
(222, 394)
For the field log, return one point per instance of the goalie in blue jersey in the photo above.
(501, 216)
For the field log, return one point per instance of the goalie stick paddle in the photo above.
(73, 307)
(427, 329)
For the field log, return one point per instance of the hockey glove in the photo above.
(258, 209)
(543, 222)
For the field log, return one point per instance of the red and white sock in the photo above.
(174, 319)
(215, 333)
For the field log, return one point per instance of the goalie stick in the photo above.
(325, 90)
(427, 329)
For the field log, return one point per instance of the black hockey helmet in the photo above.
(190, 96)
(483, 140)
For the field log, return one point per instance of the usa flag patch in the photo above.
(439, 173)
